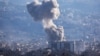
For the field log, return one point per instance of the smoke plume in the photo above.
(45, 12)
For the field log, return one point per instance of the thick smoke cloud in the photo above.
(44, 10)
(47, 11)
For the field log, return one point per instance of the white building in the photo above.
(73, 46)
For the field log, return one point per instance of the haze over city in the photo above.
(77, 20)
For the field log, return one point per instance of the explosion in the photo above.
(45, 12)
